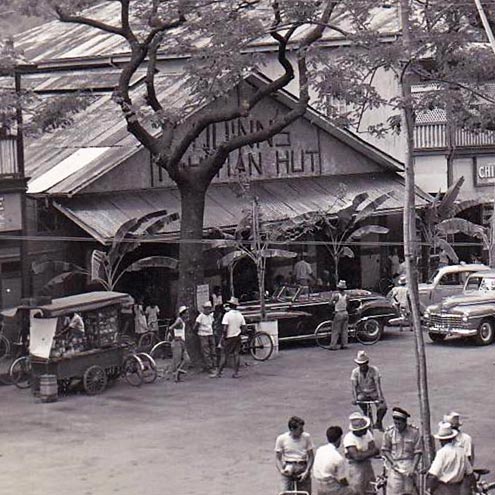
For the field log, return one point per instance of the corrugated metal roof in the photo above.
(102, 215)
(100, 125)
(62, 41)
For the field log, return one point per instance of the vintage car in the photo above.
(445, 282)
(471, 314)
(300, 310)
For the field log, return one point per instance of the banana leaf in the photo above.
(445, 205)
(153, 262)
(366, 230)
(346, 215)
(449, 250)
(373, 206)
(234, 256)
(159, 224)
(230, 258)
(464, 205)
(57, 266)
(128, 229)
(459, 225)
(59, 279)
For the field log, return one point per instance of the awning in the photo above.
(101, 214)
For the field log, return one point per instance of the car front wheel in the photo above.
(485, 333)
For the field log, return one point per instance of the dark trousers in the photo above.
(207, 343)
(231, 347)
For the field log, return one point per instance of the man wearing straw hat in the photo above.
(360, 447)
(401, 448)
(367, 386)
(450, 466)
(233, 323)
(462, 439)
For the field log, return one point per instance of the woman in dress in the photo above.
(140, 324)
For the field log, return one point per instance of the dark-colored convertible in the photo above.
(301, 309)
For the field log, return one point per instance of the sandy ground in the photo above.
(205, 436)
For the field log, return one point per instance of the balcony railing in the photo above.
(434, 137)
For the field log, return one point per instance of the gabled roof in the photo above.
(67, 160)
(63, 42)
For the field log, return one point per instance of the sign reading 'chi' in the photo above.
(484, 171)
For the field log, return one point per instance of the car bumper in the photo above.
(441, 330)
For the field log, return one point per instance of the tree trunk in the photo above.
(336, 259)
(260, 268)
(410, 247)
(191, 272)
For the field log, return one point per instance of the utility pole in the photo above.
(409, 224)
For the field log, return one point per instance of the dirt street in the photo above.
(217, 435)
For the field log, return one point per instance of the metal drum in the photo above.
(48, 388)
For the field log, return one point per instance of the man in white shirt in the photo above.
(204, 328)
(450, 466)
(329, 468)
(233, 324)
(303, 271)
(360, 447)
(462, 439)
(294, 457)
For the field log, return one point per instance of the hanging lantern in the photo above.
(8, 154)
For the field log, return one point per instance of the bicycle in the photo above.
(257, 343)
(367, 408)
(150, 338)
(162, 354)
(482, 487)
(367, 332)
(295, 491)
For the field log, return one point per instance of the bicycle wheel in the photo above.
(323, 334)
(162, 356)
(147, 340)
(150, 373)
(260, 346)
(369, 332)
(133, 370)
(20, 372)
(4, 347)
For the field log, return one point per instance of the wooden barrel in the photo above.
(48, 388)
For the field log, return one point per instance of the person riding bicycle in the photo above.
(294, 456)
(366, 386)
(401, 448)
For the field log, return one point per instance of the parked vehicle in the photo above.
(445, 282)
(300, 310)
(471, 314)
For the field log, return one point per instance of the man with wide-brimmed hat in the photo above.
(401, 448)
(360, 447)
(367, 386)
(340, 318)
(233, 323)
(450, 466)
(462, 439)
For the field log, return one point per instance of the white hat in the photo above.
(445, 431)
(402, 280)
(234, 301)
(358, 422)
(453, 418)
(342, 284)
(361, 358)
(182, 309)
(207, 304)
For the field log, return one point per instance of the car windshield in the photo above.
(487, 284)
(432, 278)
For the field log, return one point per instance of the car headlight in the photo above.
(465, 317)
(426, 315)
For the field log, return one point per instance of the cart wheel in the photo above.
(133, 370)
(147, 341)
(150, 372)
(94, 380)
(20, 372)
(162, 355)
(4, 347)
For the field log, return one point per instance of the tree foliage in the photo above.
(108, 267)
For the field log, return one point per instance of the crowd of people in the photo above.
(352, 472)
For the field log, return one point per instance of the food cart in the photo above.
(96, 356)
